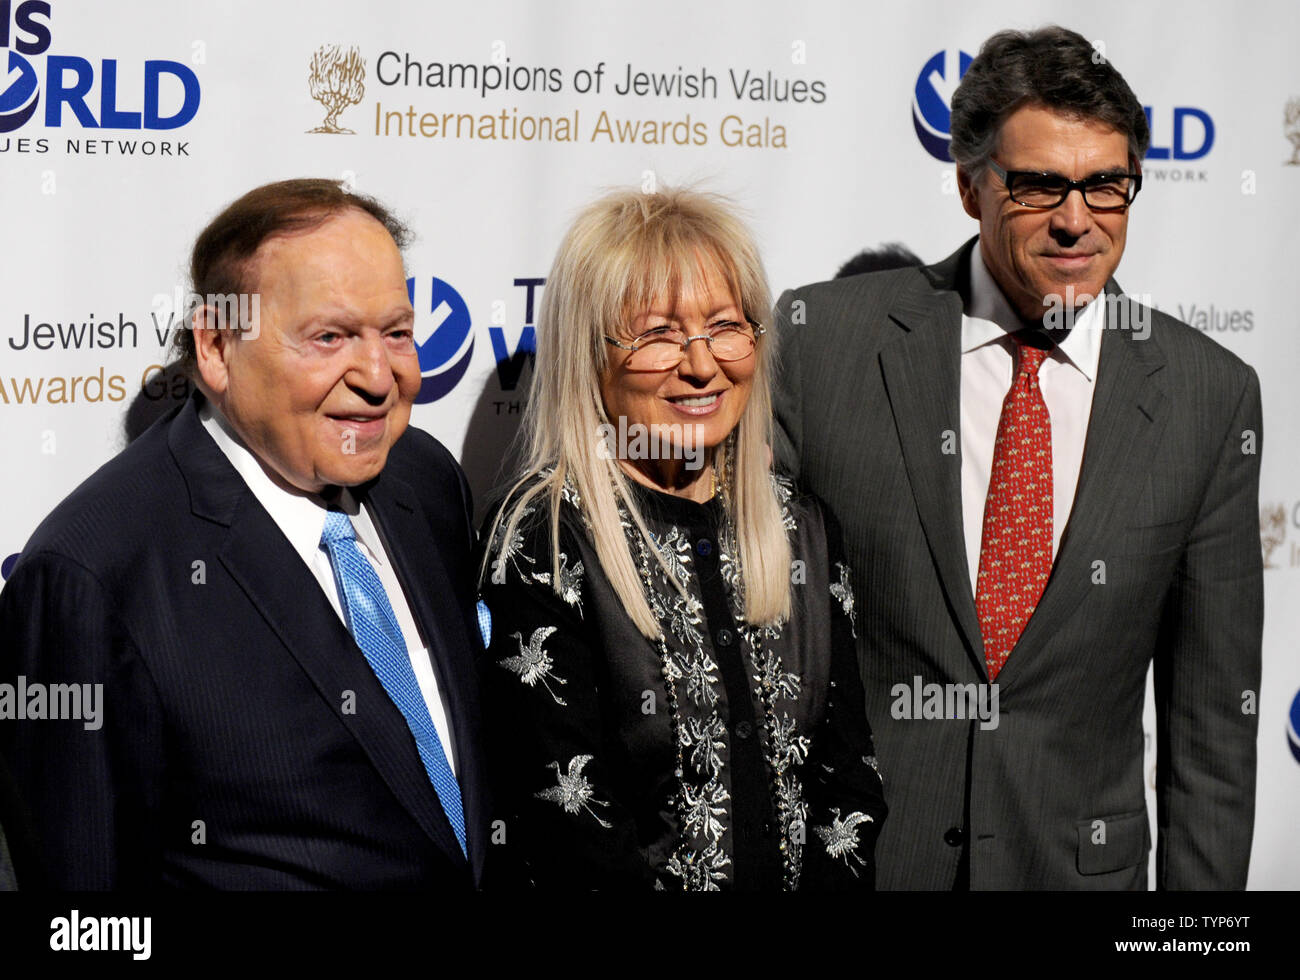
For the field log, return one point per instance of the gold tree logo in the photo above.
(337, 79)
(1272, 529)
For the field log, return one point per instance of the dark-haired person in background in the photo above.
(1046, 488)
(272, 590)
(894, 255)
(161, 392)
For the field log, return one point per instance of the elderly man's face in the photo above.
(324, 390)
(1034, 253)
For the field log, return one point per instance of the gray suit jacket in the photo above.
(1160, 561)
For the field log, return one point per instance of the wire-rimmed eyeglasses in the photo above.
(665, 347)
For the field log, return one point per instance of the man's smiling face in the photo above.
(324, 388)
(1038, 253)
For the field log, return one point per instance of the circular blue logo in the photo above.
(7, 566)
(1293, 727)
(932, 97)
(20, 98)
(442, 337)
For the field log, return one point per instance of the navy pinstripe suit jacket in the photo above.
(230, 755)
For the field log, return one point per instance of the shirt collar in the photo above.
(989, 318)
(300, 515)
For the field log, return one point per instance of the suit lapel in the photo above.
(922, 373)
(433, 600)
(288, 597)
(1128, 415)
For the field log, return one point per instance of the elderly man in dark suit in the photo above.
(1045, 488)
(267, 597)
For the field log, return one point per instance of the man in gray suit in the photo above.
(1045, 487)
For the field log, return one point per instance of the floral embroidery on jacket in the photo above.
(697, 850)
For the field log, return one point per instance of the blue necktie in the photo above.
(485, 623)
(373, 625)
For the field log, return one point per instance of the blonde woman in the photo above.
(671, 684)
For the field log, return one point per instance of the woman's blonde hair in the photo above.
(624, 253)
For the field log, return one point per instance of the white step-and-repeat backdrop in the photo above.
(124, 127)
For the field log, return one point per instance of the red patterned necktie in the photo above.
(1016, 547)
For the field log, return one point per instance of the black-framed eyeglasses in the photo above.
(665, 347)
(1101, 192)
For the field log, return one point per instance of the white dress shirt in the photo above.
(301, 517)
(1067, 378)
